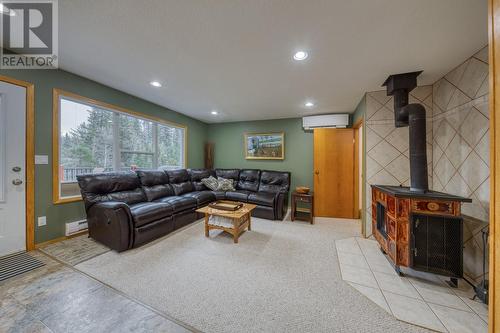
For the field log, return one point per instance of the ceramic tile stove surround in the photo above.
(457, 147)
(415, 226)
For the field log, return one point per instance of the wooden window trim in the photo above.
(56, 116)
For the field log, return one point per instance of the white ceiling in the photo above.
(235, 56)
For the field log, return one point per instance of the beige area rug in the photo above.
(75, 250)
(281, 277)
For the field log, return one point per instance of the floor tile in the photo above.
(348, 245)
(54, 292)
(396, 284)
(368, 246)
(104, 310)
(457, 321)
(377, 258)
(374, 294)
(477, 306)
(358, 275)
(413, 311)
(15, 318)
(464, 289)
(450, 300)
(430, 285)
(380, 265)
(352, 259)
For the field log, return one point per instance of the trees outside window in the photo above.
(94, 139)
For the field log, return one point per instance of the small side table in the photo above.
(300, 213)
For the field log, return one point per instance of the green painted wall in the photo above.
(229, 152)
(45, 81)
(360, 110)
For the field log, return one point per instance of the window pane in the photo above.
(170, 147)
(93, 140)
(136, 161)
(136, 143)
(86, 143)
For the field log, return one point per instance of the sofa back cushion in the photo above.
(233, 174)
(179, 180)
(113, 186)
(196, 175)
(248, 180)
(155, 184)
(274, 181)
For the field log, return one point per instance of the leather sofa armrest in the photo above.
(111, 223)
(281, 205)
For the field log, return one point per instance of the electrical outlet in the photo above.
(42, 220)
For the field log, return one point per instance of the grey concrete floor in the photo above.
(57, 298)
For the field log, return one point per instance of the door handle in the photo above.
(316, 172)
(17, 182)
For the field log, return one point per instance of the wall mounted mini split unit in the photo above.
(76, 227)
(326, 120)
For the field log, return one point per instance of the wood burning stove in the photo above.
(381, 220)
(436, 244)
(422, 231)
(416, 227)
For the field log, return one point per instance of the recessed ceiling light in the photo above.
(300, 55)
(214, 113)
(155, 84)
(309, 104)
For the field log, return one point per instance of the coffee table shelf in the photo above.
(241, 220)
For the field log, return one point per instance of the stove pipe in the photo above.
(412, 115)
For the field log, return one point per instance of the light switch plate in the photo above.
(41, 159)
(42, 220)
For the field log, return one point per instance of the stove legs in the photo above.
(453, 282)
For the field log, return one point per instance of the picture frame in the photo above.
(264, 146)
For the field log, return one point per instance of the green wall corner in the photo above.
(229, 148)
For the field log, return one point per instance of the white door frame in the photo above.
(30, 158)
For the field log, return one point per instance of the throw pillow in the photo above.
(225, 185)
(211, 182)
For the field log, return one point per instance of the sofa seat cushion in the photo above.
(147, 212)
(202, 197)
(262, 198)
(180, 203)
(239, 195)
(219, 195)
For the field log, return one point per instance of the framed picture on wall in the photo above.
(264, 146)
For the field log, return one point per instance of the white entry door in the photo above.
(12, 168)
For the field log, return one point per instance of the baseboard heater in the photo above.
(76, 227)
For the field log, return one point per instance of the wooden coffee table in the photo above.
(241, 219)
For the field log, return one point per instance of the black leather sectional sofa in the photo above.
(128, 209)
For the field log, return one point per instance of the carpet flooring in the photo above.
(281, 277)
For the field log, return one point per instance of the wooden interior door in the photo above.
(334, 172)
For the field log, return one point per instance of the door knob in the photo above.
(316, 172)
(16, 169)
(17, 182)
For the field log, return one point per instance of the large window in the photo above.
(94, 137)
